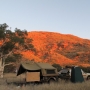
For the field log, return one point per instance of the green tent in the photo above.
(76, 75)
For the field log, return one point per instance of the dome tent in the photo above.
(76, 75)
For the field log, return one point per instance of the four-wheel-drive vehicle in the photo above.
(38, 72)
(85, 75)
(65, 73)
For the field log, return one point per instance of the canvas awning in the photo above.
(45, 66)
(33, 66)
(28, 66)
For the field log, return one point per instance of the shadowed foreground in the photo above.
(61, 85)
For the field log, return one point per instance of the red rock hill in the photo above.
(59, 48)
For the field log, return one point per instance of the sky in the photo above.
(62, 16)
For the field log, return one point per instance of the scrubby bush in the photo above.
(9, 69)
(57, 66)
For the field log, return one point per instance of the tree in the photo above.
(57, 66)
(13, 42)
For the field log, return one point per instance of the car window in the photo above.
(64, 71)
(50, 71)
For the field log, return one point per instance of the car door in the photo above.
(84, 74)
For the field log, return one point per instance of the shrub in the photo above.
(57, 66)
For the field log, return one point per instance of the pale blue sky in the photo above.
(63, 16)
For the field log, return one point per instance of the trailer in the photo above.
(38, 72)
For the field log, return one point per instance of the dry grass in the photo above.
(11, 77)
(61, 85)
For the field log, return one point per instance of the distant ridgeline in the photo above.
(59, 48)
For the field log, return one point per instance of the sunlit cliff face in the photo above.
(58, 48)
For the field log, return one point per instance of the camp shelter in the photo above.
(34, 71)
(76, 75)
